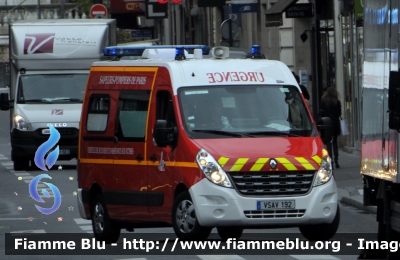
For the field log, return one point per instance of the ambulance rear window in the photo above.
(98, 113)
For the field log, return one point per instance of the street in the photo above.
(18, 213)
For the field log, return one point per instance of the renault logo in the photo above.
(273, 163)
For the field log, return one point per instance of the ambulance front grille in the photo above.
(272, 183)
(292, 213)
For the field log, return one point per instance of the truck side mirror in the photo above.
(394, 101)
(164, 135)
(324, 126)
(4, 101)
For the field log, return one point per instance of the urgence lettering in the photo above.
(123, 80)
(234, 76)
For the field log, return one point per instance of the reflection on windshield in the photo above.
(244, 111)
(54, 88)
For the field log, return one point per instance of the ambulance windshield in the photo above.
(244, 111)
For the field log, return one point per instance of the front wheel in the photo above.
(321, 232)
(103, 227)
(184, 219)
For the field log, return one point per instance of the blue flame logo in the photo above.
(45, 147)
(34, 194)
(50, 161)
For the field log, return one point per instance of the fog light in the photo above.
(219, 213)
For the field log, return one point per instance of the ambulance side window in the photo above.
(165, 108)
(98, 113)
(132, 115)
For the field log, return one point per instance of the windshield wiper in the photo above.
(220, 132)
(278, 133)
(37, 100)
(69, 99)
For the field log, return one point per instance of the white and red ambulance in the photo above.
(194, 143)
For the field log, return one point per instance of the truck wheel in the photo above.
(103, 227)
(20, 164)
(321, 231)
(184, 219)
(229, 232)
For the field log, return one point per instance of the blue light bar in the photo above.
(180, 53)
(120, 51)
(256, 52)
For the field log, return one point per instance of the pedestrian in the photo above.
(332, 108)
(303, 88)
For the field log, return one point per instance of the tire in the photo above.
(20, 164)
(321, 232)
(184, 219)
(229, 232)
(103, 227)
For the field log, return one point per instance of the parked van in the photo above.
(201, 143)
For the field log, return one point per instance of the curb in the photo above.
(358, 204)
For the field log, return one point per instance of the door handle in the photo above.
(153, 158)
(139, 157)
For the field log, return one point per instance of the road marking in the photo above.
(4, 219)
(315, 257)
(29, 231)
(131, 258)
(84, 224)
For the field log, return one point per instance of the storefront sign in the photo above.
(299, 11)
(126, 6)
(244, 8)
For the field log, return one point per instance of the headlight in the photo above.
(324, 173)
(211, 169)
(20, 123)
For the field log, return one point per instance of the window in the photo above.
(165, 108)
(132, 115)
(99, 106)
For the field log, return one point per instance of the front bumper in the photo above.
(219, 206)
(25, 143)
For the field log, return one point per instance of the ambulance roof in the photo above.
(207, 72)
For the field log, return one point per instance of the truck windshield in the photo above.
(244, 111)
(51, 88)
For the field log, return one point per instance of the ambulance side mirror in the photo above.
(324, 126)
(163, 134)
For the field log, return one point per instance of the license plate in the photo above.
(276, 204)
(64, 151)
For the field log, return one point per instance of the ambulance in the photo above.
(177, 139)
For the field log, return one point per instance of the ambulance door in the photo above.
(161, 164)
(129, 160)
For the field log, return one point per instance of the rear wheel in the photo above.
(229, 232)
(184, 219)
(20, 163)
(321, 232)
(103, 227)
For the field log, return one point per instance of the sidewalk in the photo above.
(349, 180)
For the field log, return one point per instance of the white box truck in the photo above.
(50, 62)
